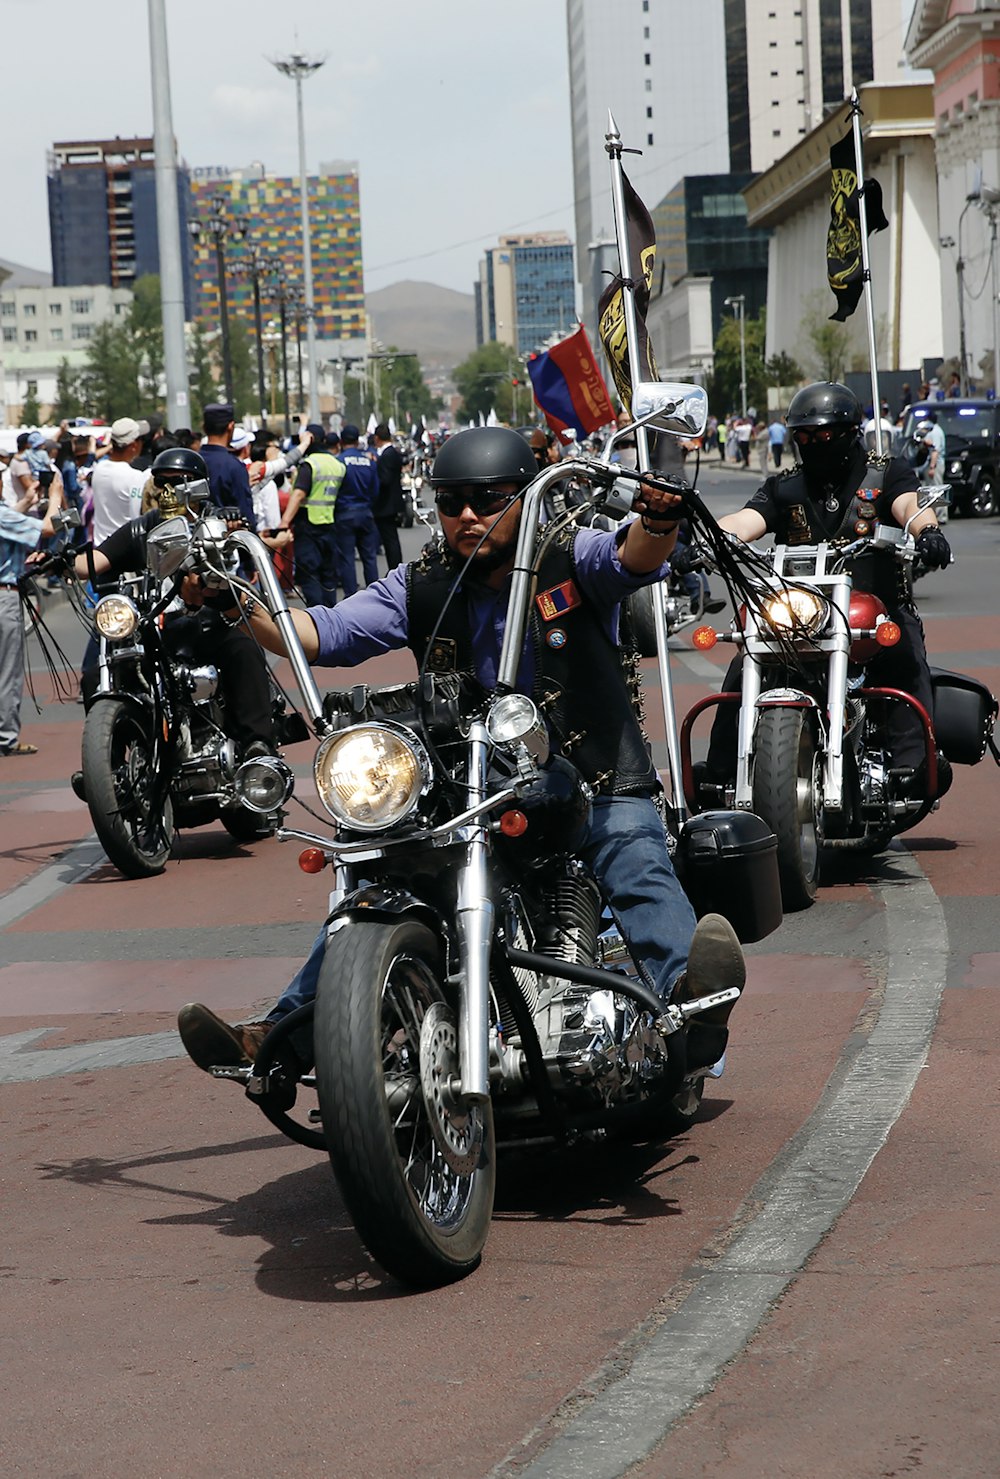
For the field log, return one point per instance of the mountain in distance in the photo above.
(437, 324)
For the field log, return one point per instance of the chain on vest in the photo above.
(583, 684)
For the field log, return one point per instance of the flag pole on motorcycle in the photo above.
(855, 210)
(623, 335)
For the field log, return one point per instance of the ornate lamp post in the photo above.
(738, 305)
(220, 228)
(257, 264)
(297, 67)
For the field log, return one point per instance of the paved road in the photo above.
(185, 1292)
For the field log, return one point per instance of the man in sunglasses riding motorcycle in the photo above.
(837, 490)
(449, 607)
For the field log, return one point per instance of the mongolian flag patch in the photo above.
(557, 600)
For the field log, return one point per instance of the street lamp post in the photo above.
(283, 293)
(738, 304)
(297, 66)
(219, 227)
(255, 265)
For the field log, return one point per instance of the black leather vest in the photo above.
(801, 521)
(588, 689)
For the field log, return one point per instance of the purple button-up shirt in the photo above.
(375, 619)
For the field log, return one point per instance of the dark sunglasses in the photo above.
(817, 434)
(452, 501)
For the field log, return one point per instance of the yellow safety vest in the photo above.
(327, 476)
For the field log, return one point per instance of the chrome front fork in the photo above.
(475, 934)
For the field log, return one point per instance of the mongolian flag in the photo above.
(843, 239)
(611, 310)
(569, 387)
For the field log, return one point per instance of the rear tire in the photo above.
(118, 776)
(424, 1221)
(786, 795)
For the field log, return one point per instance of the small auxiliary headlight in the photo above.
(264, 783)
(514, 719)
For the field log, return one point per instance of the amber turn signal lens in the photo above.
(704, 638)
(513, 824)
(887, 633)
(312, 860)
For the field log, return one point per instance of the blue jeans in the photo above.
(625, 849)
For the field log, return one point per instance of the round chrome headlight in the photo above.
(371, 775)
(264, 783)
(797, 612)
(514, 719)
(116, 617)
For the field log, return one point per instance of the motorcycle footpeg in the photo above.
(241, 1073)
(690, 1009)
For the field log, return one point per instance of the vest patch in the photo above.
(556, 637)
(558, 599)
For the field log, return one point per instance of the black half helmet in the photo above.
(484, 456)
(178, 465)
(825, 404)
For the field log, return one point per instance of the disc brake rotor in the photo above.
(457, 1128)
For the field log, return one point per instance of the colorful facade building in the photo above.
(267, 210)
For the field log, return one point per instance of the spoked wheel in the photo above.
(416, 1165)
(119, 780)
(786, 793)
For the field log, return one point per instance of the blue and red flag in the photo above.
(569, 387)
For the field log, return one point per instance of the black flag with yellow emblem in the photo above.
(611, 308)
(844, 267)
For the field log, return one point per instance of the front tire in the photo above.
(983, 503)
(118, 780)
(424, 1221)
(786, 795)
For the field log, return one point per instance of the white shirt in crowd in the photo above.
(117, 492)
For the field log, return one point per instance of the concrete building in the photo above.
(664, 79)
(102, 214)
(269, 208)
(41, 326)
(960, 43)
(525, 295)
(726, 90)
(792, 201)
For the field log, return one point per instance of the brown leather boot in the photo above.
(212, 1043)
(715, 963)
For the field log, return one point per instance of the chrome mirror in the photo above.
(167, 547)
(671, 406)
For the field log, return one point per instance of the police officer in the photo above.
(837, 489)
(571, 653)
(354, 524)
(310, 515)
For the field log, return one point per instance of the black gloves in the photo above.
(933, 549)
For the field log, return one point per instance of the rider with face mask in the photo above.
(837, 490)
(450, 607)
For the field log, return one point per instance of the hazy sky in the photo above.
(457, 111)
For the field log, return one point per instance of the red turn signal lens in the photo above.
(704, 638)
(312, 860)
(513, 824)
(887, 633)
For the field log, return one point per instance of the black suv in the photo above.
(971, 448)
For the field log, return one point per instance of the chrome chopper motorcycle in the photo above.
(155, 753)
(812, 753)
(471, 994)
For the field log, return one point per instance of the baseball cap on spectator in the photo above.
(349, 433)
(125, 430)
(241, 438)
(317, 432)
(217, 417)
(35, 440)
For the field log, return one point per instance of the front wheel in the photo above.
(983, 502)
(119, 781)
(786, 795)
(416, 1167)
